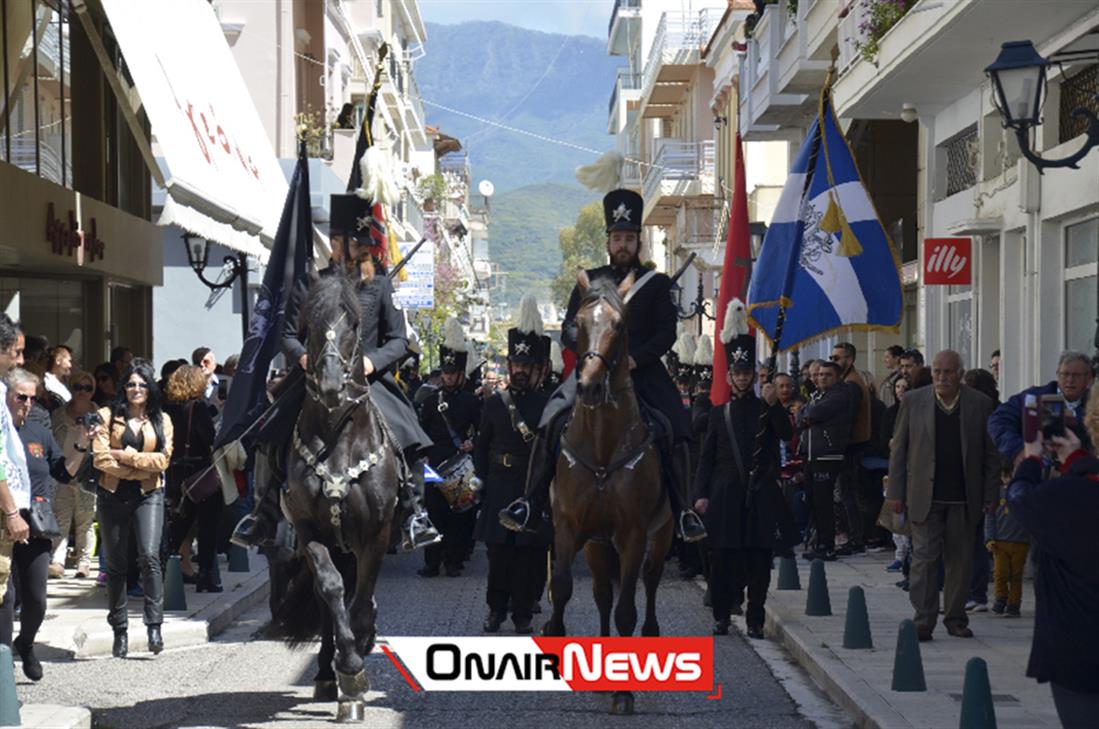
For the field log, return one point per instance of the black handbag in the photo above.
(205, 482)
(42, 522)
(87, 476)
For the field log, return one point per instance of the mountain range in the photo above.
(554, 88)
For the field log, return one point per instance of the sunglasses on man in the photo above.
(26, 398)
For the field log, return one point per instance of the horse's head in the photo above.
(601, 338)
(331, 319)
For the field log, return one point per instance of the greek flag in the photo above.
(826, 257)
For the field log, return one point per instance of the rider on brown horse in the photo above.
(356, 251)
(652, 332)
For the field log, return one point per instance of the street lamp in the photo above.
(699, 308)
(1019, 90)
(198, 255)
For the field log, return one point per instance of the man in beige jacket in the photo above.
(943, 471)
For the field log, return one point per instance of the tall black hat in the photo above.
(525, 339)
(681, 358)
(740, 346)
(704, 360)
(622, 210)
(453, 353)
(352, 216)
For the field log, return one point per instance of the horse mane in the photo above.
(327, 296)
(603, 287)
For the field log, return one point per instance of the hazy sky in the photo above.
(572, 17)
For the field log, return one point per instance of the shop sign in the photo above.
(948, 261)
(67, 238)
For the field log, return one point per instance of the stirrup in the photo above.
(691, 527)
(249, 532)
(419, 532)
(516, 515)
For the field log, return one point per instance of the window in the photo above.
(35, 109)
(1081, 256)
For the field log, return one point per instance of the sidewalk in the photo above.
(76, 614)
(859, 680)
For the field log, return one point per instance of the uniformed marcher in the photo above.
(681, 366)
(450, 416)
(742, 537)
(516, 561)
(651, 323)
(384, 340)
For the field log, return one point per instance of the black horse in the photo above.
(343, 473)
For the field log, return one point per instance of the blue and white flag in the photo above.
(826, 256)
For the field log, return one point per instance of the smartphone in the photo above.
(1030, 418)
(1052, 411)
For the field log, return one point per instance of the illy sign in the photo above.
(948, 261)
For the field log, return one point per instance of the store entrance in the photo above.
(56, 309)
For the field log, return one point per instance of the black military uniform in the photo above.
(516, 560)
(742, 537)
(651, 326)
(450, 417)
(384, 341)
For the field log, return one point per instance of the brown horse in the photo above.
(607, 493)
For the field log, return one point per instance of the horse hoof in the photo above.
(622, 704)
(325, 691)
(353, 685)
(350, 711)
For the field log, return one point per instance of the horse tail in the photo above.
(299, 617)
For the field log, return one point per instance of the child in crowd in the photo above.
(1009, 543)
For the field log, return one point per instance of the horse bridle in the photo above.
(609, 365)
(332, 349)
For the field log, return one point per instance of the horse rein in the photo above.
(609, 365)
(332, 350)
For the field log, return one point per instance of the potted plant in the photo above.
(880, 17)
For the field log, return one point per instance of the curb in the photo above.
(52, 716)
(190, 629)
(842, 685)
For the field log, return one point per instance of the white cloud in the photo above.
(571, 17)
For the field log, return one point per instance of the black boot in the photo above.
(156, 642)
(417, 531)
(208, 582)
(493, 622)
(259, 528)
(517, 515)
(121, 644)
(32, 667)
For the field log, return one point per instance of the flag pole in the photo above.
(780, 321)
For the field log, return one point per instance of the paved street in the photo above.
(241, 680)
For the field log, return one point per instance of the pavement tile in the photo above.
(861, 680)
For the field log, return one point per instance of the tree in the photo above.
(583, 245)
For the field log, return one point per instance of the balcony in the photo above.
(699, 225)
(781, 73)
(937, 52)
(680, 171)
(627, 89)
(625, 23)
(673, 60)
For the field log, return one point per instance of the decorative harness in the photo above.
(336, 486)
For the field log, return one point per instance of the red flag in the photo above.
(734, 273)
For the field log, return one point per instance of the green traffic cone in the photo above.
(977, 709)
(817, 603)
(9, 702)
(788, 578)
(238, 559)
(907, 663)
(174, 597)
(856, 629)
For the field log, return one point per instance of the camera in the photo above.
(89, 419)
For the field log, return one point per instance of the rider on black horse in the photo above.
(359, 252)
(652, 332)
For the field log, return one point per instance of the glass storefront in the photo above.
(54, 309)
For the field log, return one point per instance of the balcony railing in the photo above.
(621, 4)
(414, 98)
(678, 161)
(626, 81)
(456, 163)
(679, 34)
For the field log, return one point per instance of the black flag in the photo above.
(287, 267)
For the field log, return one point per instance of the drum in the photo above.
(458, 485)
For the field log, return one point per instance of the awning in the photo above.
(223, 180)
